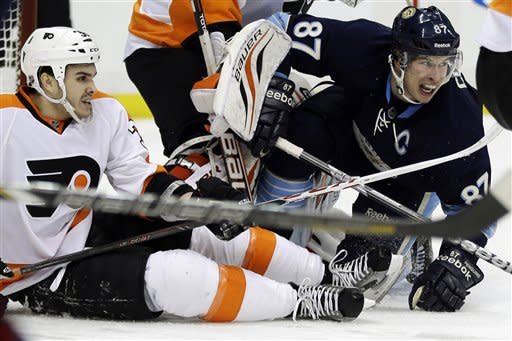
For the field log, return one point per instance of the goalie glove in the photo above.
(273, 120)
(444, 285)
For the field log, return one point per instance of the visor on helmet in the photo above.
(444, 64)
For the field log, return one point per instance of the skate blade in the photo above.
(377, 292)
(368, 303)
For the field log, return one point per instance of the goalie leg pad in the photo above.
(250, 62)
(203, 93)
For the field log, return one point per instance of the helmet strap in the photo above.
(62, 100)
(400, 78)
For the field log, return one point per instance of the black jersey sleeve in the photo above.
(340, 49)
(461, 182)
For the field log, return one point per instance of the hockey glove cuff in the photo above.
(444, 285)
(273, 120)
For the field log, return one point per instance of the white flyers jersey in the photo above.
(33, 148)
(167, 23)
(496, 33)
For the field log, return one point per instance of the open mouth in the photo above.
(427, 89)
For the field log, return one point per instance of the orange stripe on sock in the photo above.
(262, 244)
(230, 295)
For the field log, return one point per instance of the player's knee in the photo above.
(180, 282)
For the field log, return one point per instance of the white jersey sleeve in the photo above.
(128, 167)
(35, 148)
(496, 33)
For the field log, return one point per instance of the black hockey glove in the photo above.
(444, 285)
(215, 188)
(273, 121)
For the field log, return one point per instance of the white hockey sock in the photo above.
(184, 283)
(263, 252)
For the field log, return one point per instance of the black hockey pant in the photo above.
(109, 285)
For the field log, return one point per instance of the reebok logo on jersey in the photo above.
(441, 45)
(370, 212)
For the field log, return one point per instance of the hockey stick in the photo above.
(299, 153)
(204, 37)
(168, 231)
(483, 254)
(337, 174)
(466, 223)
(236, 169)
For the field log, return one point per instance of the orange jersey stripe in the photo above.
(262, 244)
(502, 6)
(99, 94)
(182, 20)
(59, 127)
(159, 169)
(10, 101)
(230, 295)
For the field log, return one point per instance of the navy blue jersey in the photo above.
(355, 55)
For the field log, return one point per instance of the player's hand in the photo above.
(215, 188)
(273, 121)
(444, 285)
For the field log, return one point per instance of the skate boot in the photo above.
(327, 302)
(421, 257)
(359, 265)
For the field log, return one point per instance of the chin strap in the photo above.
(400, 80)
(62, 100)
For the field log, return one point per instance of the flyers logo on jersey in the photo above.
(77, 172)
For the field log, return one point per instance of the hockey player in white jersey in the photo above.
(494, 66)
(61, 129)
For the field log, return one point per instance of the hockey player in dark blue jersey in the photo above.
(398, 99)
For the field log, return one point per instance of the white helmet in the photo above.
(56, 47)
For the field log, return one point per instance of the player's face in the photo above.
(425, 75)
(79, 82)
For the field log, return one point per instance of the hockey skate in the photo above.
(359, 267)
(327, 302)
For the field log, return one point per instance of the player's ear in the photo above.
(47, 80)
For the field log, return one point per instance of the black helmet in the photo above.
(425, 31)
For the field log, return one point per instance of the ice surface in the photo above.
(487, 314)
